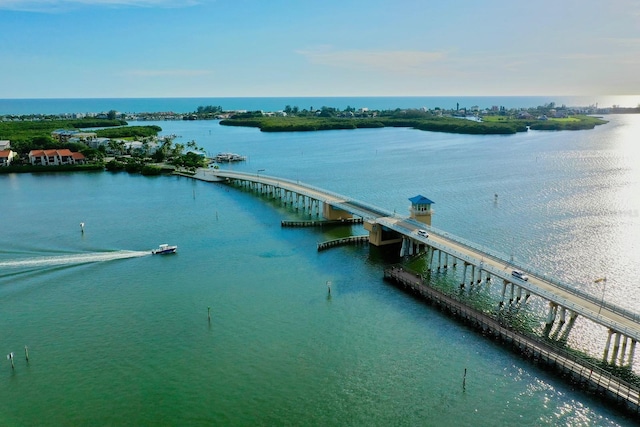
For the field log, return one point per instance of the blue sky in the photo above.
(233, 48)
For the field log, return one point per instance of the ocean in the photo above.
(187, 105)
(117, 336)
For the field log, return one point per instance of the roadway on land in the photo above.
(584, 305)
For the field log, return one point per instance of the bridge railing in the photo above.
(357, 203)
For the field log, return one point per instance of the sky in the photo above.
(269, 48)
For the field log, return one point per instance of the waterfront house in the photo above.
(5, 144)
(98, 142)
(84, 137)
(6, 156)
(54, 157)
(141, 147)
(62, 135)
(78, 158)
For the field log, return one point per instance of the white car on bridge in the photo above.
(520, 275)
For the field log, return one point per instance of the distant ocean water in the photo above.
(186, 105)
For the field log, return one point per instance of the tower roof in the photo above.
(420, 200)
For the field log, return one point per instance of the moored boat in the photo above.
(165, 249)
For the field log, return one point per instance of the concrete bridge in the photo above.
(479, 265)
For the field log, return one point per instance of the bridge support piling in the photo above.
(562, 315)
(616, 347)
(572, 320)
(433, 253)
(605, 355)
(551, 315)
(623, 350)
(464, 275)
(439, 260)
(561, 321)
(472, 279)
(632, 351)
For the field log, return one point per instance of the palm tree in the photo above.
(177, 150)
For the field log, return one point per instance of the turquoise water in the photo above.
(119, 337)
(187, 105)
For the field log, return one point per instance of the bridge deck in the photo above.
(586, 305)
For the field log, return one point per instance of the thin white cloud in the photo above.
(631, 42)
(63, 5)
(166, 73)
(583, 56)
(400, 61)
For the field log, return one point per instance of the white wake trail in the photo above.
(72, 259)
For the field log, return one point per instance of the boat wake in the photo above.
(49, 261)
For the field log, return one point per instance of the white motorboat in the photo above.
(165, 249)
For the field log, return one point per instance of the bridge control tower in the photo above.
(420, 209)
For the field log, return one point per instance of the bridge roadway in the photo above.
(589, 306)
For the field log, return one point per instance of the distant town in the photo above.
(550, 110)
